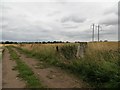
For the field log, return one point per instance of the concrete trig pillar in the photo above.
(81, 50)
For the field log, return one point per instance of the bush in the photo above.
(68, 51)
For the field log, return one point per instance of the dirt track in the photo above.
(52, 77)
(0, 68)
(10, 79)
(49, 76)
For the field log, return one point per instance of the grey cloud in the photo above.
(112, 10)
(77, 35)
(26, 36)
(69, 26)
(110, 16)
(75, 19)
(109, 22)
(54, 13)
(111, 19)
(109, 32)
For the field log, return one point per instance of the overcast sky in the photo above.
(64, 20)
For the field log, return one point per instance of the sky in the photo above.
(61, 20)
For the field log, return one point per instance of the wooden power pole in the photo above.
(93, 28)
(98, 28)
(98, 33)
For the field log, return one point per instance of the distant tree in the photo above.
(43, 42)
(7, 42)
(105, 40)
(67, 42)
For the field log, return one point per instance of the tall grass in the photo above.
(100, 66)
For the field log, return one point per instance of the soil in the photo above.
(50, 76)
(9, 76)
(0, 68)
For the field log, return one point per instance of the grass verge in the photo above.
(24, 71)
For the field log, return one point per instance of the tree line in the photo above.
(43, 42)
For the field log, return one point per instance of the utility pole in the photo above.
(93, 25)
(93, 32)
(98, 28)
(98, 33)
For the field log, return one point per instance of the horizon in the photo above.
(55, 41)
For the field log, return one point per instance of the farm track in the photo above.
(10, 79)
(52, 77)
(0, 68)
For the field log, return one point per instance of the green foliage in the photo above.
(68, 51)
(101, 72)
